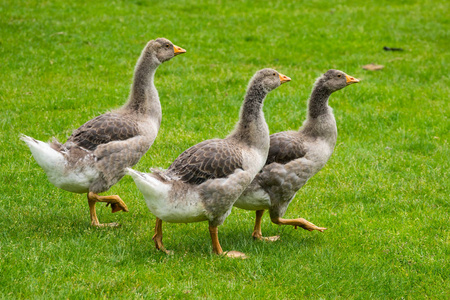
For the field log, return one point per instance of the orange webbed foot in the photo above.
(235, 254)
(115, 207)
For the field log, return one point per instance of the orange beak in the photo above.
(351, 79)
(178, 50)
(283, 78)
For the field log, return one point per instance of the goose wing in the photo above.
(207, 160)
(285, 147)
(104, 129)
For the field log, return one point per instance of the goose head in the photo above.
(334, 80)
(269, 79)
(163, 49)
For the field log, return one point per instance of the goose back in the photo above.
(209, 159)
(102, 130)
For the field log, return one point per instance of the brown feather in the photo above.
(285, 146)
(104, 129)
(207, 160)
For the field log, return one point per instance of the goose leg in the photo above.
(298, 222)
(217, 249)
(257, 234)
(116, 204)
(94, 220)
(213, 232)
(157, 237)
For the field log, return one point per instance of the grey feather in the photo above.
(206, 179)
(109, 143)
(207, 160)
(294, 157)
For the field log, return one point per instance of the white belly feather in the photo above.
(254, 199)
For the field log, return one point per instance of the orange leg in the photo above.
(213, 232)
(217, 249)
(298, 222)
(157, 237)
(257, 234)
(116, 205)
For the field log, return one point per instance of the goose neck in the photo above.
(252, 127)
(320, 121)
(252, 107)
(144, 97)
(318, 102)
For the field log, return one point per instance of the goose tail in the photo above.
(150, 186)
(47, 157)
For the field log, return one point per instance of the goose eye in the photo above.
(167, 45)
(339, 75)
(274, 74)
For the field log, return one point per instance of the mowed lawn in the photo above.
(384, 194)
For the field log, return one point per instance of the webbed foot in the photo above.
(118, 206)
(113, 224)
(257, 235)
(300, 222)
(235, 254)
(270, 238)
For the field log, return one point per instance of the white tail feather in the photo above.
(48, 158)
(76, 179)
(182, 206)
(148, 185)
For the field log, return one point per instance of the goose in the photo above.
(294, 157)
(95, 156)
(205, 180)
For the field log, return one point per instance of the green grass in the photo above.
(384, 194)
